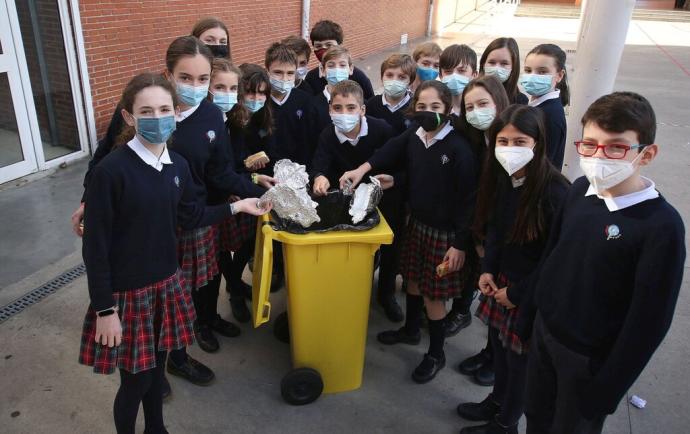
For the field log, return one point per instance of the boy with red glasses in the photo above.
(607, 286)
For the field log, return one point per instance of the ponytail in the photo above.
(559, 56)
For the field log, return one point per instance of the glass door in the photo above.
(17, 156)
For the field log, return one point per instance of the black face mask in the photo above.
(429, 121)
(218, 50)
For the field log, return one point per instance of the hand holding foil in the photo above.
(365, 200)
(289, 196)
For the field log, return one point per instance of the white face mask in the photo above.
(604, 173)
(513, 158)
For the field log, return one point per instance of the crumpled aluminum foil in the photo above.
(289, 196)
(365, 200)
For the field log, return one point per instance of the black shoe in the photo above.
(485, 375)
(239, 309)
(243, 289)
(427, 370)
(479, 411)
(392, 309)
(399, 336)
(225, 328)
(166, 390)
(473, 363)
(193, 371)
(456, 321)
(205, 338)
(492, 427)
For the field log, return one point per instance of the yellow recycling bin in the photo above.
(328, 278)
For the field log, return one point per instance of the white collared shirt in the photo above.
(627, 200)
(147, 156)
(327, 94)
(363, 131)
(394, 108)
(287, 95)
(442, 133)
(187, 113)
(547, 96)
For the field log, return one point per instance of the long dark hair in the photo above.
(212, 23)
(136, 85)
(511, 45)
(253, 76)
(443, 93)
(530, 224)
(186, 46)
(559, 56)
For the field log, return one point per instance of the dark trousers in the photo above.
(393, 211)
(511, 374)
(554, 373)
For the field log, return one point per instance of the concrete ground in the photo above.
(44, 389)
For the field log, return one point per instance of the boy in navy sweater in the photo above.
(607, 286)
(398, 71)
(303, 52)
(324, 35)
(350, 141)
(290, 107)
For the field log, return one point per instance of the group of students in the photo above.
(578, 282)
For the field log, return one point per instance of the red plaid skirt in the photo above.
(235, 230)
(197, 251)
(424, 249)
(505, 320)
(158, 317)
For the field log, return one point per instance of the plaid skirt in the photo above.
(504, 320)
(157, 317)
(197, 251)
(424, 249)
(234, 231)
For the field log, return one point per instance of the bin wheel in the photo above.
(301, 386)
(281, 328)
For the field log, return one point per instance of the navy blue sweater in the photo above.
(556, 130)
(131, 215)
(292, 135)
(517, 260)
(396, 119)
(441, 180)
(333, 158)
(317, 83)
(248, 141)
(608, 285)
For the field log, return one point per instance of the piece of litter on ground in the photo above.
(637, 401)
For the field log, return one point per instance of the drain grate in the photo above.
(38, 294)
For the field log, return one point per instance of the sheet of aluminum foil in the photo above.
(290, 196)
(365, 200)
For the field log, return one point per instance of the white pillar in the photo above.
(306, 6)
(600, 43)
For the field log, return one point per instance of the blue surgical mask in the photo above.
(481, 118)
(254, 106)
(501, 73)
(225, 101)
(456, 83)
(336, 75)
(394, 88)
(536, 84)
(345, 122)
(282, 86)
(426, 74)
(301, 72)
(156, 130)
(191, 95)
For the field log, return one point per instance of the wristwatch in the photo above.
(255, 178)
(107, 312)
(233, 211)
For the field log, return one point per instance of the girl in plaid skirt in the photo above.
(440, 183)
(519, 193)
(136, 197)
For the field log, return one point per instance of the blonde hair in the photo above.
(428, 49)
(334, 52)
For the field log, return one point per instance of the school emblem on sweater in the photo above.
(444, 159)
(299, 114)
(613, 232)
(211, 135)
(177, 181)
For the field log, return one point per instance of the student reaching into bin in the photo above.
(441, 190)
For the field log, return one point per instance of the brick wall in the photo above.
(129, 36)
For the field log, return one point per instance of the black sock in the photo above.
(413, 315)
(152, 401)
(179, 357)
(211, 291)
(437, 337)
(132, 389)
(239, 261)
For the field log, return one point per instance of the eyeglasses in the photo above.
(614, 151)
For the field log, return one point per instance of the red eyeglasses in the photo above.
(614, 151)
